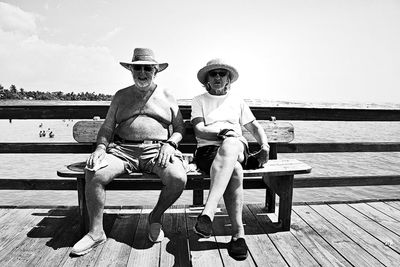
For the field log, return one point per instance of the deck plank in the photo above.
(394, 204)
(361, 236)
(15, 230)
(343, 244)
(33, 246)
(261, 248)
(289, 247)
(386, 209)
(204, 251)
(322, 252)
(144, 252)
(119, 242)
(175, 248)
(3, 213)
(373, 221)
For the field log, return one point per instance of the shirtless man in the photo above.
(135, 136)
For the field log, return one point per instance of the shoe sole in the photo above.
(200, 234)
(239, 257)
(81, 253)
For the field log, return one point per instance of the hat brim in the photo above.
(160, 66)
(202, 74)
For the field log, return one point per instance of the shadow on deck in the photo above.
(344, 234)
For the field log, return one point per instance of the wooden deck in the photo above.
(346, 234)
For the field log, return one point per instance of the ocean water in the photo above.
(39, 166)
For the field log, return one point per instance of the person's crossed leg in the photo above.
(226, 175)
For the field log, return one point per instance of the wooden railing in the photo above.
(84, 111)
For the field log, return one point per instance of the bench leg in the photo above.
(198, 197)
(270, 200)
(285, 202)
(283, 187)
(83, 213)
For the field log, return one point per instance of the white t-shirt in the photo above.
(221, 112)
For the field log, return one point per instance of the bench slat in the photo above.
(277, 167)
(277, 132)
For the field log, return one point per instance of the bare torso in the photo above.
(141, 116)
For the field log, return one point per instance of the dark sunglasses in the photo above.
(221, 73)
(147, 68)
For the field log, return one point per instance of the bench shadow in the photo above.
(61, 229)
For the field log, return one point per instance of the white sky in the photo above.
(290, 50)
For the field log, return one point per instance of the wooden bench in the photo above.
(276, 176)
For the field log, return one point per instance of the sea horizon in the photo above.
(254, 102)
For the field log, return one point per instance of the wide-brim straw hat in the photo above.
(215, 64)
(144, 56)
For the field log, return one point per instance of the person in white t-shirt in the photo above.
(217, 117)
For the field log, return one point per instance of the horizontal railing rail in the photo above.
(73, 147)
(82, 111)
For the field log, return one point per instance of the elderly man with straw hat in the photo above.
(222, 151)
(136, 136)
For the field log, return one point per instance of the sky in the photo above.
(289, 50)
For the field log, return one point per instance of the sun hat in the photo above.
(214, 64)
(144, 56)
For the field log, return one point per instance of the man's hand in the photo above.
(96, 157)
(166, 155)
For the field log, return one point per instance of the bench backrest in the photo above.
(277, 132)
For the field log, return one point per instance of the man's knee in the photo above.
(176, 179)
(96, 178)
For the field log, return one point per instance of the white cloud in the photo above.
(13, 19)
(109, 35)
(32, 63)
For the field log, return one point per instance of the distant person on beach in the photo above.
(141, 132)
(222, 151)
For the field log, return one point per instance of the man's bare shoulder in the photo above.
(122, 94)
(123, 91)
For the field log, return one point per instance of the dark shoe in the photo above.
(203, 227)
(238, 249)
(155, 231)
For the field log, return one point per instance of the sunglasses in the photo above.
(147, 68)
(221, 73)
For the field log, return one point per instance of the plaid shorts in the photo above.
(138, 157)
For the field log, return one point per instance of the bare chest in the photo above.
(155, 107)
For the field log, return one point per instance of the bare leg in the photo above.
(96, 195)
(230, 152)
(233, 198)
(174, 180)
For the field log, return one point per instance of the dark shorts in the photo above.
(204, 157)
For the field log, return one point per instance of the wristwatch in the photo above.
(172, 143)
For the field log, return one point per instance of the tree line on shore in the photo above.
(21, 94)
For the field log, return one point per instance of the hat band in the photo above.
(143, 58)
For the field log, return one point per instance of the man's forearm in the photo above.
(104, 136)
